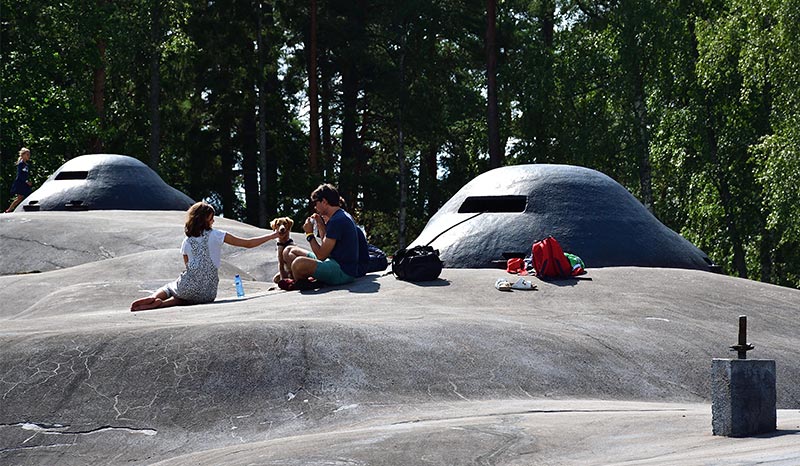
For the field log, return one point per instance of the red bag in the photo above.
(549, 259)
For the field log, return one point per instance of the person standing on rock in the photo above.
(339, 256)
(201, 254)
(22, 185)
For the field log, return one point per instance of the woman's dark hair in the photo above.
(197, 219)
(328, 192)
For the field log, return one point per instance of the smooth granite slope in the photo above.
(609, 370)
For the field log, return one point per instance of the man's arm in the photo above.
(321, 250)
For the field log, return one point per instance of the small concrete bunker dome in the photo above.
(500, 213)
(106, 182)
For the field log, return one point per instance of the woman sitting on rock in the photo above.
(201, 255)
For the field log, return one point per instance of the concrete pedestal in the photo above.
(743, 397)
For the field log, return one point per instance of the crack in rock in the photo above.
(540, 411)
(103, 251)
(58, 429)
(36, 447)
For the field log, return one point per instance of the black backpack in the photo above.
(421, 263)
(417, 264)
(377, 259)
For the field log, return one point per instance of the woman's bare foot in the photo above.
(144, 304)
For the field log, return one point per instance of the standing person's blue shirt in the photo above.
(21, 187)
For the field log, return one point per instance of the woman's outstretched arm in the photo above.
(234, 240)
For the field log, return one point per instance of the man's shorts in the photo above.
(329, 271)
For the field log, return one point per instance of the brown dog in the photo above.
(283, 225)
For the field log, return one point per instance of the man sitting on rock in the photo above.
(339, 256)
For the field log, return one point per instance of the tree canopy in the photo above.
(693, 105)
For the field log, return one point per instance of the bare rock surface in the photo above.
(611, 369)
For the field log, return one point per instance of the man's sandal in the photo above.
(502, 284)
(522, 284)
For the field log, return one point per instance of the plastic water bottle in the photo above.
(237, 280)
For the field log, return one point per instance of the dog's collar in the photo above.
(288, 242)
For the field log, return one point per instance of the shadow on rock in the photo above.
(431, 283)
(779, 433)
(366, 284)
(571, 281)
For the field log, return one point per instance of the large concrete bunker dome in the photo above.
(106, 182)
(500, 213)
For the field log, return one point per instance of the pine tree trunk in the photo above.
(313, 153)
(428, 179)
(267, 163)
(250, 163)
(349, 136)
(645, 170)
(493, 115)
(401, 154)
(327, 139)
(227, 175)
(98, 94)
(542, 115)
(155, 85)
(766, 253)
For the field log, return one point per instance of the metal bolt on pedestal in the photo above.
(743, 392)
(742, 347)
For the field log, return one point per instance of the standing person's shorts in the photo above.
(329, 271)
(19, 188)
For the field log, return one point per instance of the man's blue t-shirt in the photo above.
(350, 250)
